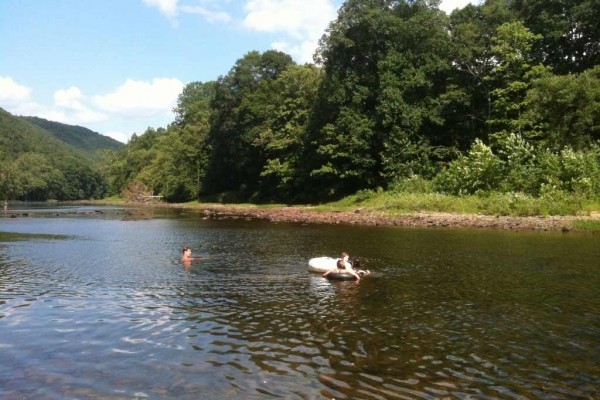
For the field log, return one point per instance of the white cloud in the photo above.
(300, 19)
(87, 116)
(302, 51)
(12, 93)
(140, 99)
(303, 22)
(65, 116)
(69, 98)
(131, 107)
(166, 7)
(16, 99)
(72, 110)
(120, 136)
(210, 16)
(171, 8)
(51, 115)
(449, 5)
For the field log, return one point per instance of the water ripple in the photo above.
(112, 313)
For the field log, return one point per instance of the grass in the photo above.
(112, 200)
(513, 204)
(587, 225)
(407, 202)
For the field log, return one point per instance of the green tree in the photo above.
(468, 100)
(129, 161)
(380, 109)
(177, 170)
(10, 185)
(235, 164)
(569, 31)
(37, 178)
(511, 77)
(414, 92)
(281, 110)
(194, 104)
(564, 111)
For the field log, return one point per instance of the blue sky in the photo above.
(117, 66)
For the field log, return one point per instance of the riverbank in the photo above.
(362, 216)
(589, 222)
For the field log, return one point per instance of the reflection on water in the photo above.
(109, 312)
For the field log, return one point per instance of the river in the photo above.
(103, 308)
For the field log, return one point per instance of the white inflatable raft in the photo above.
(324, 264)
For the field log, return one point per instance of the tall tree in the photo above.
(234, 164)
(194, 103)
(379, 109)
(564, 110)
(469, 102)
(281, 109)
(132, 158)
(570, 32)
(511, 77)
(177, 171)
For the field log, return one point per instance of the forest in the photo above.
(57, 162)
(501, 97)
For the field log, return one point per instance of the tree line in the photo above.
(498, 97)
(35, 166)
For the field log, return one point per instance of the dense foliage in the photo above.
(34, 165)
(500, 97)
(87, 141)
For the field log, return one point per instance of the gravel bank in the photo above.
(308, 215)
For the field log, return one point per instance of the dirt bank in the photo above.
(308, 215)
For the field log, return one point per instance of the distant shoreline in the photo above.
(362, 216)
(359, 216)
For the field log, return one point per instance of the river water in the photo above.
(108, 311)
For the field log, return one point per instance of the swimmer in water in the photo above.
(341, 267)
(357, 269)
(187, 258)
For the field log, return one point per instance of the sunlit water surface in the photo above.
(109, 312)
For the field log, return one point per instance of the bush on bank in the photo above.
(513, 165)
(490, 203)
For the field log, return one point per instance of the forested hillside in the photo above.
(37, 166)
(503, 97)
(89, 142)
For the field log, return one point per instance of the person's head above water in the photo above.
(356, 263)
(341, 262)
(186, 251)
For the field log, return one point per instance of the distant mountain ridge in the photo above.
(19, 136)
(37, 166)
(78, 137)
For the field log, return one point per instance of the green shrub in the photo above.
(412, 184)
(479, 170)
(519, 168)
(518, 157)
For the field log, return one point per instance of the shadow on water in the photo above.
(111, 312)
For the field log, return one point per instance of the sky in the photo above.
(117, 66)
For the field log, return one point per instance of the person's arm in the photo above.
(326, 273)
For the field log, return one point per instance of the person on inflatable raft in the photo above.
(353, 270)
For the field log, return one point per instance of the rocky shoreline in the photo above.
(307, 215)
(360, 216)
